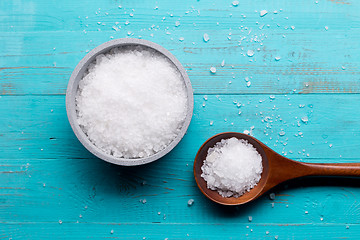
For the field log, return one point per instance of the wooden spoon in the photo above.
(276, 169)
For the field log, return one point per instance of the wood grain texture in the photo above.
(47, 176)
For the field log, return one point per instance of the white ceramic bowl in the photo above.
(78, 74)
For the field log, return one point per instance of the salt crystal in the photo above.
(206, 37)
(190, 202)
(248, 84)
(277, 58)
(181, 39)
(108, 106)
(213, 70)
(223, 63)
(112, 231)
(60, 222)
(250, 218)
(326, 28)
(306, 212)
(177, 23)
(211, 123)
(305, 119)
(272, 196)
(235, 3)
(232, 167)
(250, 53)
(263, 13)
(282, 133)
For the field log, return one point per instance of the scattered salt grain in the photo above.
(235, 3)
(263, 13)
(190, 202)
(250, 53)
(232, 167)
(277, 58)
(305, 119)
(326, 28)
(112, 231)
(272, 196)
(223, 63)
(136, 113)
(250, 218)
(206, 37)
(213, 70)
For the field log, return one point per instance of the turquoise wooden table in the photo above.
(295, 72)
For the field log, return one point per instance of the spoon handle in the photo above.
(333, 169)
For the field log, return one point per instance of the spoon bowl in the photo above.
(276, 169)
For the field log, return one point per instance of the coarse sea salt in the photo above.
(232, 167)
(131, 102)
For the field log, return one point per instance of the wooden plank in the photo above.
(28, 70)
(83, 230)
(32, 123)
(312, 58)
(43, 15)
(92, 191)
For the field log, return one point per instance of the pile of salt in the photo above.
(232, 167)
(131, 102)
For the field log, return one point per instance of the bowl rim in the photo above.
(76, 76)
